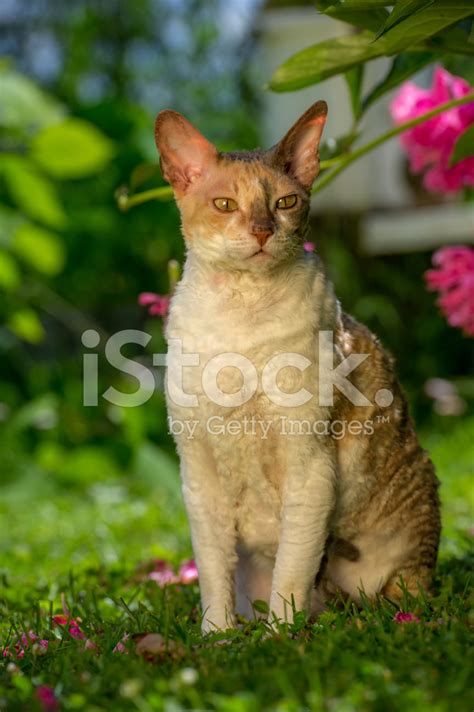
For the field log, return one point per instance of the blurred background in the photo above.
(80, 85)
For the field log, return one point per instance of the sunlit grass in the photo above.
(88, 545)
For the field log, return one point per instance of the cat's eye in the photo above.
(227, 205)
(288, 201)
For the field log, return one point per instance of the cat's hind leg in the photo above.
(373, 564)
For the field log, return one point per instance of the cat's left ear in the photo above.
(185, 154)
(298, 151)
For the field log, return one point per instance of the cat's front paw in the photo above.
(215, 621)
(281, 611)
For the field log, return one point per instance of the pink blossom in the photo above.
(158, 304)
(401, 617)
(309, 246)
(453, 278)
(430, 144)
(47, 698)
(163, 573)
(188, 572)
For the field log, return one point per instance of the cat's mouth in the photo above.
(260, 254)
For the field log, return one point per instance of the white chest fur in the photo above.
(255, 319)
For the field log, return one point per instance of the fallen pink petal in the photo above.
(76, 632)
(401, 617)
(72, 624)
(47, 698)
(120, 647)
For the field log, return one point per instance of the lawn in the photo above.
(85, 553)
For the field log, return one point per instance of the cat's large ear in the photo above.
(298, 151)
(184, 152)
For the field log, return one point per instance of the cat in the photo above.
(332, 493)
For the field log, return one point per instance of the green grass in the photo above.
(88, 544)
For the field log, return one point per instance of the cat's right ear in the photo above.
(185, 154)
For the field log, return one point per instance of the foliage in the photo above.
(414, 33)
(71, 133)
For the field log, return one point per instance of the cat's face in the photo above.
(242, 211)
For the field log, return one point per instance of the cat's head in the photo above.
(245, 210)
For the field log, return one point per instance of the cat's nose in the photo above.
(262, 231)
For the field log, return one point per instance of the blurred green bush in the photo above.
(72, 131)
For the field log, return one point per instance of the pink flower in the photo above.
(401, 617)
(163, 573)
(158, 304)
(430, 144)
(309, 246)
(47, 698)
(188, 572)
(454, 280)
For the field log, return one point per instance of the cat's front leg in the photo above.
(213, 536)
(308, 501)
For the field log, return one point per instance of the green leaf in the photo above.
(9, 274)
(403, 10)
(26, 324)
(314, 64)
(354, 78)
(367, 14)
(72, 149)
(24, 105)
(34, 194)
(454, 40)
(40, 248)
(464, 146)
(9, 221)
(35, 413)
(402, 68)
(426, 22)
(342, 5)
(260, 606)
